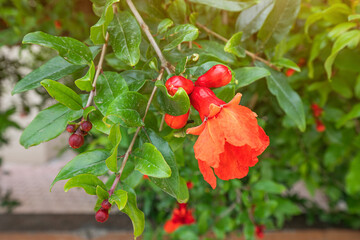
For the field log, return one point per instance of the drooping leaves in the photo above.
(115, 138)
(137, 216)
(88, 182)
(85, 83)
(119, 197)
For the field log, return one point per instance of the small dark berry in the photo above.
(76, 140)
(86, 126)
(106, 205)
(102, 215)
(70, 128)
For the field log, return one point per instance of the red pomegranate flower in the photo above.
(320, 127)
(259, 231)
(317, 110)
(230, 138)
(180, 216)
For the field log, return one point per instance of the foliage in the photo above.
(281, 33)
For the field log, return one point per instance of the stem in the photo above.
(164, 63)
(250, 54)
(128, 151)
(98, 70)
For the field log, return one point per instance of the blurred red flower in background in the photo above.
(259, 231)
(180, 216)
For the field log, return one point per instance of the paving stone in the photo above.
(40, 236)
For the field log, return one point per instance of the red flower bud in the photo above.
(320, 127)
(259, 231)
(105, 204)
(175, 82)
(189, 185)
(102, 215)
(76, 140)
(85, 126)
(218, 76)
(317, 111)
(70, 128)
(177, 122)
(201, 98)
(289, 72)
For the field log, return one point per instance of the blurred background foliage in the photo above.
(327, 162)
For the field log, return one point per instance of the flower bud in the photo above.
(177, 122)
(201, 98)
(102, 215)
(175, 82)
(76, 140)
(218, 76)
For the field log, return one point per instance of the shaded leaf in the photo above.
(269, 186)
(115, 138)
(87, 182)
(246, 75)
(228, 5)
(164, 25)
(119, 197)
(179, 34)
(137, 216)
(234, 45)
(85, 83)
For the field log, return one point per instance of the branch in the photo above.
(128, 151)
(250, 54)
(164, 63)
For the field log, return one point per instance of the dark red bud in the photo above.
(85, 126)
(175, 82)
(102, 215)
(105, 204)
(289, 72)
(177, 122)
(76, 140)
(201, 98)
(217, 76)
(70, 128)
(320, 127)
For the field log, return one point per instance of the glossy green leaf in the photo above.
(125, 38)
(177, 11)
(173, 185)
(287, 63)
(246, 75)
(234, 45)
(164, 25)
(287, 98)
(225, 93)
(48, 124)
(354, 113)
(176, 105)
(102, 193)
(349, 39)
(90, 162)
(135, 79)
(70, 49)
(85, 83)
(319, 43)
(279, 22)
(87, 111)
(62, 94)
(269, 187)
(228, 5)
(119, 197)
(353, 177)
(88, 182)
(127, 109)
(149, 161)
(137, 216)
(96, 119)
(179, 34)
(98, 31)
(115, 138)
(216, 50)
(108, 86)
(250, 20)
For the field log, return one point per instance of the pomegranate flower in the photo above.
(259, 231)
(180, 216)
(230, 138)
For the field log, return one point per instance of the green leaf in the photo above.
(125, 38)
(357, 87)
(62, 94)
(119, 197)
(108, 86)
(127, 109)
(284, 62)
(353, 177)
(90, 162)
(354, 113)
(354, 17)
(177, 11)
(250, 20)
(85, 83)
(179, 34)
(340, 29)
(269, 186)
(70, 49)
(173, 185)
(319, 42)
(176, 105)
(246, 75)
(164, 25)
(96, 119)
(234, 45)
(48, 124)
(228, 5)
(86, 181)
(349, 39)
(149, 161)
(98, 31)
(102, 193)
(279, 22)
(115, 138)
(137, 217)
(135, 79)
(287, 98)
(87, 111)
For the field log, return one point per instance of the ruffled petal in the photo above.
(196, 130)
(171, 226)
(213, 109)
(235, 101)
(234, 162)
(207, 173)
(210, 143)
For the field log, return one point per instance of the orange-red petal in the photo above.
(196, 130)
(171, 226)
(207, 173)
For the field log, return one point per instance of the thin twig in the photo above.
(98, 71)
(250, 54)
(127, 154)
(164, 63)
(162, 123)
